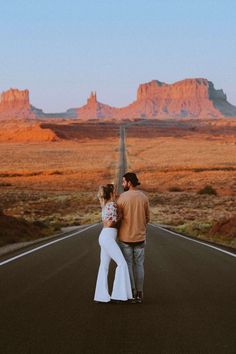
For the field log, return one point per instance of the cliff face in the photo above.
(220, 102)
(15, 103)
(193, 98)
(186, 89)
(94, 109)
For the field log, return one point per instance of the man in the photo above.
(134, 209)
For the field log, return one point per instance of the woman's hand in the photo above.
(108, 223)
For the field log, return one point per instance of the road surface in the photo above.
(122, 165)
(189, 307)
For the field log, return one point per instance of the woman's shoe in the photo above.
(118, 301)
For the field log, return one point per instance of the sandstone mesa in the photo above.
(15, 103)
(189, 98)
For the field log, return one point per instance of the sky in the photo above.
(63, 50)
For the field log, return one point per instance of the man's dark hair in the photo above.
(132, 178)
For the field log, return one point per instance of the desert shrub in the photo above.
(57, 226)
(10, 175)
(75, 223)
(157, 199)
(18, 230)
(32, 174)
(201, 169)
(194, 228)
(56, 173)
(39, 224)
(5, 184)
(208, 189)
(175, 189)
(226, 228)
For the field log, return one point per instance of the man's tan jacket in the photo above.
(134, 209)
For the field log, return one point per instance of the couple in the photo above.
(131, 212)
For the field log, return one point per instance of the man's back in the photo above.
(134, 208)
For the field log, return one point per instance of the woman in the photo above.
(110, 250)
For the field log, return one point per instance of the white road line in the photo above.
(45, 245)
(190, 239)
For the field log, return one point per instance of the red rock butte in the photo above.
(189, 98)
(15, 103)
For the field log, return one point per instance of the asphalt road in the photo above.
(122, 165)
(46, 300)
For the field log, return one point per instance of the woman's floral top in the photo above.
(110, 212)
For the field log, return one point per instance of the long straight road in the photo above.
(46, 298)
(47, 303)
(122, 165)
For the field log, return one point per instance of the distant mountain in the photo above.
(186, 98)
(94, 109)
(189, 98)
(15, 103)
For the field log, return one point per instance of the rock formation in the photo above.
(25, 131)
(190, 98)
(94, 109)
(186, 98)
(15, 104)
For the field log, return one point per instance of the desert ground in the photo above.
(188, 169)
(53, 184)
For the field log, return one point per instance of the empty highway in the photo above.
(47, 303)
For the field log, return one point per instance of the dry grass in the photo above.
(59, 165)
(55, 183)
(184, 158)
(55, 209)
(174, 165)
(193, 214)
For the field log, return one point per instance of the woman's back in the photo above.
(110, 212)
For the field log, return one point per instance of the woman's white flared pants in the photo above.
(121, 286)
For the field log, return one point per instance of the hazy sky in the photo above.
(61, 50)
